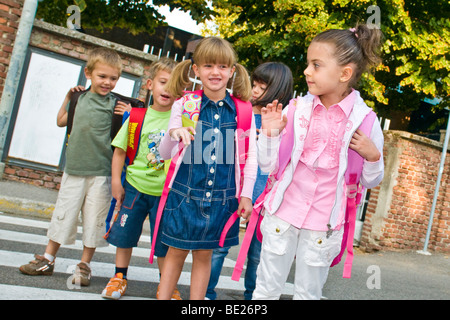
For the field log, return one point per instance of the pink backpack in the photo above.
(191, 110)
(352, 177)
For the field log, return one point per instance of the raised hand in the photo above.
(272, 120)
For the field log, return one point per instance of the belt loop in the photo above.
(188, 195)
(224, 197)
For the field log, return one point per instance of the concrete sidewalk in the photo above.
(26, 199)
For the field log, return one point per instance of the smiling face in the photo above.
(162, 100)
(214, 77)
(103, 78)
(324, 76)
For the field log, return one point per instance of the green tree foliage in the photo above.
(415, 49)
(135, 15)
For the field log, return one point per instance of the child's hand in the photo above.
(364, 146)
(272, 123)
(74, 89)
(121, 107)
(185, 134)
(118, 193)
(245, 208)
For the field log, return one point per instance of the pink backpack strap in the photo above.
(354, 191)
(244, 121)
(163, 199)
(244, 112)
(253, 224)
(191, 110)
(256, 218)
(287, 142)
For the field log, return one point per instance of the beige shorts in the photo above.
(88, 196)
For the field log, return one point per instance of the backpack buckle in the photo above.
(352, 191)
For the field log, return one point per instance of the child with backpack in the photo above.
(306, 147)
(86, 181)
(214, 163)
(138, 196)
(270, 81)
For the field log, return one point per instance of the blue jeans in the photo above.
(217, 260)
(127, 228)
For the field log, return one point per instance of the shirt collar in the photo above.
(227, 101)
(345, 104)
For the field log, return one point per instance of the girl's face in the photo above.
(214, 77)
(325, 78)
(258, 90)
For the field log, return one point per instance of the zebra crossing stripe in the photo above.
(99, 269)
(12, 292)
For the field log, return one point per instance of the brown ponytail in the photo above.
(359, 45)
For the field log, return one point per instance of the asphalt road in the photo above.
(376, 276)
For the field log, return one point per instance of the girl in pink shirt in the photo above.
(305, 208)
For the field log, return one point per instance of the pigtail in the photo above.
(242, 87)
(369, 40)
(179, 79)
(357, 45)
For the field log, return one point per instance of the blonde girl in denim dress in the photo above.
(206, 189)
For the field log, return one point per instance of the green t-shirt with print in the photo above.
(146, 173)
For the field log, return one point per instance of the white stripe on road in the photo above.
(106, 270)
(138, 252)
(11, 292)
(63, 265)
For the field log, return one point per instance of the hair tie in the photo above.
(192, 60)
(354, 31)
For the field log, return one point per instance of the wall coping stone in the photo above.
(93, 40)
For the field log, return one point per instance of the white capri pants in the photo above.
(90, 195)
(313, 252)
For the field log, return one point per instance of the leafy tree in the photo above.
(415, 49)
(135, 15)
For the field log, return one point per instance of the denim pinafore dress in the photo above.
(203, 193)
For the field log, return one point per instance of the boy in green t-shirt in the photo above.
(145, 177)
(86, 181)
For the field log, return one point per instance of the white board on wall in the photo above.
(36, 137)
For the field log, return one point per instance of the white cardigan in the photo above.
(268, 152)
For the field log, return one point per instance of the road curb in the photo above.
(27, 207)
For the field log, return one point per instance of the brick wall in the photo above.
(49, 180)
(10, 12)
(399, 209)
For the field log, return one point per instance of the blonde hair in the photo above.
(106, 56)
(211, 50)
(165, 64)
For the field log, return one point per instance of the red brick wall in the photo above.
(10, 12)
(49, 180)
(399, 209)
